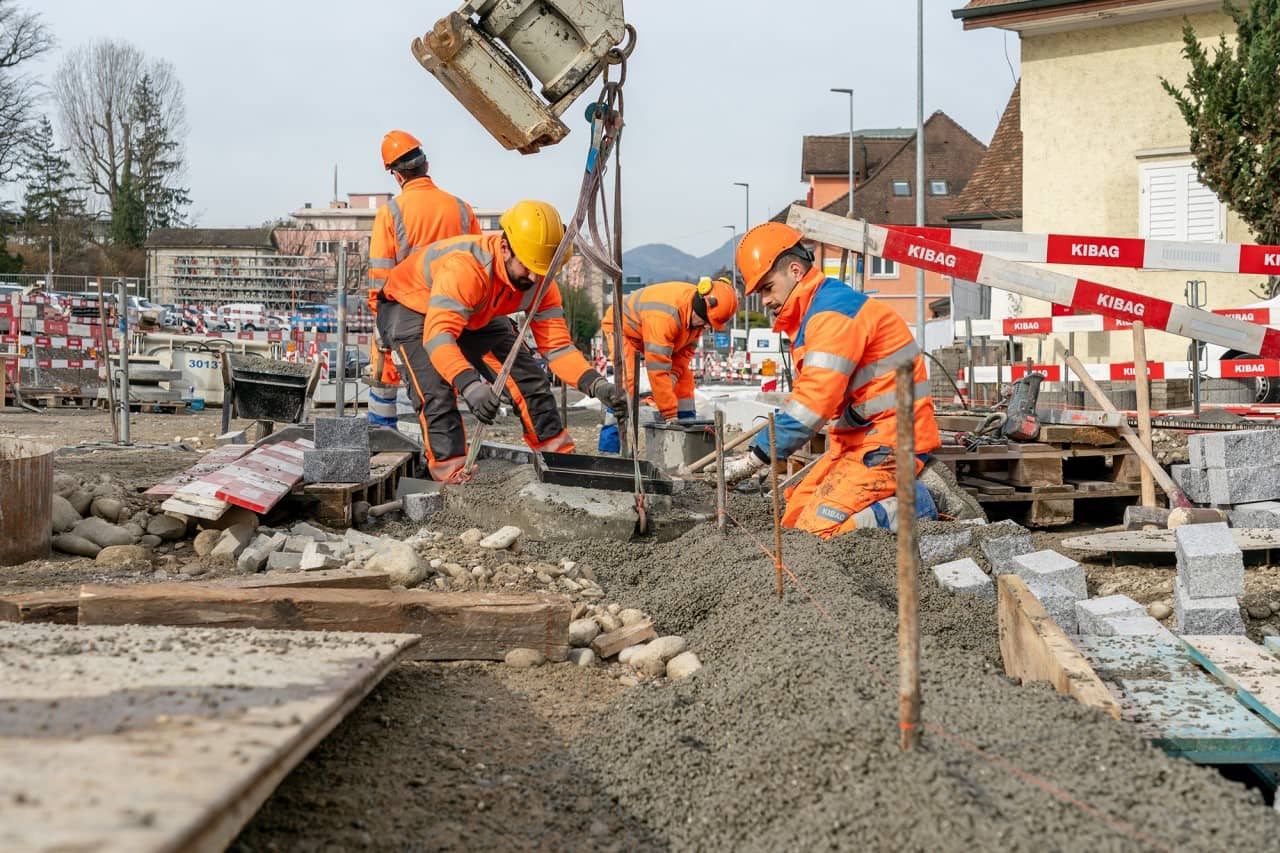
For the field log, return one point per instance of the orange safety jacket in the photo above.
(846, 347)
(655, 321)
(461, 283)
(422, 214)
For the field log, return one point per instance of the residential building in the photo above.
(1105, 150)
(885, 194)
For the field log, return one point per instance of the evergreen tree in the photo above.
(156, 162)
(128, 215)
(580, 315)
(53, 205)
(1230, 103)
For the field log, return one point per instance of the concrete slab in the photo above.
(335, 466)
(1235, 449)
(342, 434)
(1205, 615)
(1210, 564)
(964, 576)
(1095, 615)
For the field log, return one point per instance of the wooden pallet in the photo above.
(1081, 463)
(56, 399)
(336, 499)
(166, 407)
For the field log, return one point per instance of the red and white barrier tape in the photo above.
(1077, 293)
(1242, 368)
(1062, 323)
(1126, 252)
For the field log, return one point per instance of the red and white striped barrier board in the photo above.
(1127, 252)
(1078, 293)
(1016, 326)
(256, 481)
(212, 461)
(1242, 368)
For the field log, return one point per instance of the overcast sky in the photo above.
(278, 93)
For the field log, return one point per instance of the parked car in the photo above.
(356, 359)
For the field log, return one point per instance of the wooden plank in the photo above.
(986, 486)
(1034, 648)
(1074, 495)
(1050, 513)
(959, 423)
(1091, 435)
(453, 625)
(59, 607)
(1243, 666)
(1178, 705)
(1162, 542)
(125, 746)
(608, 645)
(316, 578)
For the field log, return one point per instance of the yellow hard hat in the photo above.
(534, 230)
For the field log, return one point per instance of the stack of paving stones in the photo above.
(1210, 580)
(1239, 470)
(341, 454)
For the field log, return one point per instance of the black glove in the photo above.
(481, 400)
(610, 395)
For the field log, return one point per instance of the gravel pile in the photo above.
(787, 740)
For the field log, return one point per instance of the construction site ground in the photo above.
(787, 739)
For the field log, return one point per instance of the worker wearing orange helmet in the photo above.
(665, 322)
(420, 215)
(446, 306)
(846, 348)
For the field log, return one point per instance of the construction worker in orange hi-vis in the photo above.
(846, 347)
(665, 322)
(446, 307)
(420, 215)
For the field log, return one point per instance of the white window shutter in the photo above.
(1204, 211)
(1162, 204)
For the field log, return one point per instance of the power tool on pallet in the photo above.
(1021, 422)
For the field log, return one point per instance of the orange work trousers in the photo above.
(836, 496)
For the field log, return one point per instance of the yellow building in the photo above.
(1105, 150)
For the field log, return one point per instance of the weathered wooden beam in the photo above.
(1034, 648)
(44, 606)
(453, 625)
(316, 578)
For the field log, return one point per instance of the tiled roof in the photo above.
(951, 154)
(829, 155)
(211, 238)
(995, 189)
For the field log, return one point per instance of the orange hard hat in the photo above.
(716, 302)
(396, 144)
(760, 248)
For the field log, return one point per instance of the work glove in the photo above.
(739, 468)
(610, 395)
(481, 400)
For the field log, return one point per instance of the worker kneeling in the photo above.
(446, 305)
(846, 347)
(665, 321)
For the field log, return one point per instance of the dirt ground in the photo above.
(788, 739)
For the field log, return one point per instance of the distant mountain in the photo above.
(661, 262)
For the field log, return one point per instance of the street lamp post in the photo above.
(856, 278)
(746, 318)
(920, 163)
(733, 281)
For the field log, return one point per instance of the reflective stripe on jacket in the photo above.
(422, 214)
(461, 283)
(655, 321)
(846, 347)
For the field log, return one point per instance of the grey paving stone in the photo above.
(342, 434)
(1205, 615)
(1210, 565)
(964, 576)
(335, 466)
(1052, 567)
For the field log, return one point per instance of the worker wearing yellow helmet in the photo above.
(446, 306)
(420, 215)
(666, 321)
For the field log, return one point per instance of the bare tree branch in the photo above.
(23, 37)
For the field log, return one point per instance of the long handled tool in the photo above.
(606, 119)
(642, 519)
(734, 443)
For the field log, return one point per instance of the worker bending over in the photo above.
(665, 321)
(846, 347)
(420, 215)
(446, 305)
